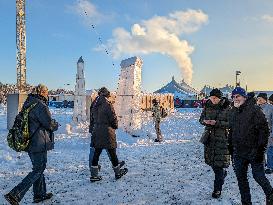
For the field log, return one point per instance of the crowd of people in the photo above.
(239, 131)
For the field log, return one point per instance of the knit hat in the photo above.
(262, 95)
(251, 95)
(155, 101)
(271, 98)
(239, 91)
(216, 92)
(104, 92)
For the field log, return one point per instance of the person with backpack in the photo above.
(248, 140)
(157, 113)
(41, 128)
(215, 119)
(103, 123)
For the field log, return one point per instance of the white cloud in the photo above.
(267, 18)
(161, 34)
(87, 11)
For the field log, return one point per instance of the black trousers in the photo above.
(111, 154)
(241, 168)
(220, 174)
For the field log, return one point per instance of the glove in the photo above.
(55, 125)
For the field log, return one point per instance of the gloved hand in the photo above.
(55, 125)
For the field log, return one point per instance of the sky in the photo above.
(202, 42)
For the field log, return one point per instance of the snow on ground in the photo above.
(172, 172)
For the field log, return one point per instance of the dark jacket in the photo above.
(41, 125)
(103, 122)
(249, 131)
(216, 150)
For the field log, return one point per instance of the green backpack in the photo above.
(19, 136)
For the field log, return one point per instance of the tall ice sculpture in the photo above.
(79, 112)
(128, 100)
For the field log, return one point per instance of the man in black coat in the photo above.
(103, 123)
(41, 128)
(248, 139)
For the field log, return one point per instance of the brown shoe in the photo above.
(11, 199)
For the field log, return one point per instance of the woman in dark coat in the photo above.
(103, 123)
(215, 118)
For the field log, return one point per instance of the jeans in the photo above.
(91, 155)
(35, 178)
(219, 180)
(270, 157)
(111, 154)
(241, 167)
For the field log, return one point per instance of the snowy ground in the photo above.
(172, 172)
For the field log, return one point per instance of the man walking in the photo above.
(268, 111)
(157, 118)
(41, 127)
(249, 137)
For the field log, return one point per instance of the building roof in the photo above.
(178, 88)
(225, 90)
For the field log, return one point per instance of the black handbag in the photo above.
(205, 138)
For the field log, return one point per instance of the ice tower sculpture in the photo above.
(128, 100)
(79, 112)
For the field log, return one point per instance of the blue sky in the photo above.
(228, 35)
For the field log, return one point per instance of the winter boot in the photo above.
(119, 172)
(216, 194)
(121, 163)
(269, 199)
(158, 140)
(11, 199)
(40, 199)
(94, 174)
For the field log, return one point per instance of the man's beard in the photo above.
(238, 104)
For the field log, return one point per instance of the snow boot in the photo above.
(11, 199)
(40, 199)
(121, 163)
(94, 174)
(216, 194)
(269, 199)
(158, 140)
(119, 172)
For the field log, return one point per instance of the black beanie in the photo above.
(251, 95)
(262, 95)
(104, 92)
(216, 92)
(271, 98)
